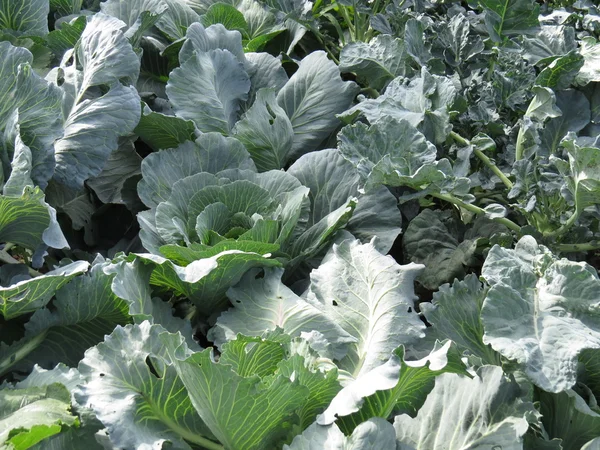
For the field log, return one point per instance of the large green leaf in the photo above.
(31, 294)
(202, 40)
(266, 132)
(160, 131)
(540, 311)
(378, 62)
(140, 399)
(462, 413)
(205, 280)
(332, 180)
(30, 415)
(210, 153)
(567, 416)
(279, 307)
(24, 17)
(93, 126)
(312, 98)
(83, 312)
(585, 172)
(424, 102)
(30, 111)
(208, 89)
(455, 314)
(504, 18)
(428, 240)
(390, 152)
(398, 386)
(242, 412)
(370, 297)
(374, 434)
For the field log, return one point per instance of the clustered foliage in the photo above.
(299, 225)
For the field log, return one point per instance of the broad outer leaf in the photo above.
(24, 17)
(84, 311)
(510, 17)
(378, 62)
(30, 110)
(369, 296)
(160, 131)
(30, 295)
(424, 102)
(208, 89)
(262, 304)
(205, 281)
(202, 40)
(211, 153)
(266, 132)
(389, 152)
(311, 100)
(242, 412)
(585, 170)
(428, 241)
(567, 416)
(455, 314)
(374, 434)
(463, 413)
(332, 180)
(132, 386)
(540, 311)
(30, 415)
(396, 384)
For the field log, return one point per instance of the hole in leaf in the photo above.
(334, 303)
(151, 367)
(409, 309)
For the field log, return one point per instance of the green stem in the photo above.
(563, 229)
(370, 91)
(477, 210)
(570, 248)
(520, 145)
(7, 259)
(208, 444)
(349, 23)
(484, 158)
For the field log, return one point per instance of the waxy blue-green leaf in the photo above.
(455, 313)
(332, 180)
(590, 50)
(374, 434)
(377, 62)
(428, 240)
(424, 102)
(30, 111)
(93, 125)
(242, 412)
(30, 295)
(266, 132)
(393, 153)
(561, 72)
(460, 412)
(27, 220)
(395, 387)
(83, 312)
(143, 403)
(121, 165)
(205, 280)
(208, 89)
(262, 304)
(548, 43)
(66, 36)
(176, 15)
(568, 417)
(160, 131)
(211, 153)
(504, 18)
(24, 17)
(540, 311)
(30, 415)
(585, 173)
(370, 297)
(203, 39)
(266, 72)
(311, 99)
